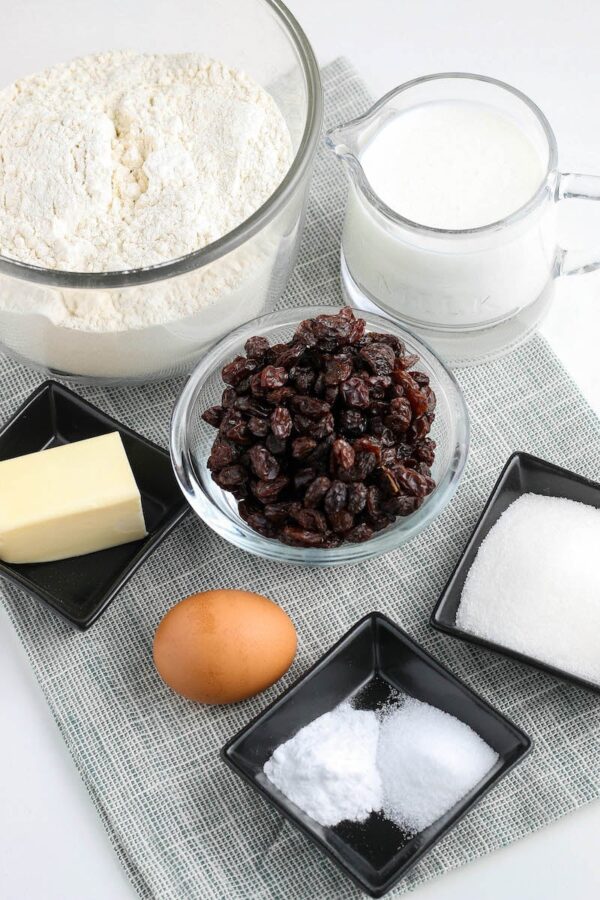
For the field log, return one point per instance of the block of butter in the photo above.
(68, 500)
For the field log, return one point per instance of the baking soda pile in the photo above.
(534, 585)
(329, 768)
(410, 760)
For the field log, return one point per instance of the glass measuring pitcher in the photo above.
(473, 293)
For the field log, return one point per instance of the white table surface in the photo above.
(52, 844)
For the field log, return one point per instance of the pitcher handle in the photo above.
(578, 187)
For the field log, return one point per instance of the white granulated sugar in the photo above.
(121, 160)
(534, 586)
(328, 768)
(428, 761)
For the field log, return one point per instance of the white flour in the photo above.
(123, 160)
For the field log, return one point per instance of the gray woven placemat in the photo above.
(183, 825)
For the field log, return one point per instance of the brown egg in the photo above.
(223, 646)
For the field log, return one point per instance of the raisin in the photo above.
(281, 423)
(387, 481)
(310, 519)
(431, 398)
(310, 406)
(228, 398)
(374, 337)
(365, 464)
(408, 360)
(300, 537)
(337, 329)
(351, 422)
(258, 427)
(266, 491)
(341, 521)
(290, 356)
(264, 465)
(256, 347)
(302, 379)
(380, 358)
(420, 377)
(400, 415)
(213, 415)
(222, 454)
(342, 454)
(278, 513)
(359, 533)
(425, 452)
(355, 393)
(357, 497)
(251, 405)
(336, 497)
(234, 428)
(379, 385)
(238, 369)
(316, 491)
(315, 428)
(273, 377)
(279, 396)
(302, 446)
(382, 521)
(402, 505)
(259, 523)
(418, 400)
(230, 477)
(337, 369)
(419, 429)
(304, 334)
(368, 445)
(411, 481)
(255, 387)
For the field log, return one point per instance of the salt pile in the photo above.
(534, 586)
(411, 761)
(428, 761)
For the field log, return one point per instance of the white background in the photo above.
(52, 845)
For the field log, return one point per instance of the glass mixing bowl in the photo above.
(237, 277)
(192, 438)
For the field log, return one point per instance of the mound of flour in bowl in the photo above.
(122, 160)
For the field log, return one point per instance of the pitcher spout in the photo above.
(349, 139)
(343, 140)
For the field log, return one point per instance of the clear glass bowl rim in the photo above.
(240, 534)
(231, 240)
(375, 200)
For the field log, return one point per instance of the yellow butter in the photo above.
(68, 500)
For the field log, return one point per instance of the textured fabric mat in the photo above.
(182, 824)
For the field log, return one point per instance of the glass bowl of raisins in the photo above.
(320, 438)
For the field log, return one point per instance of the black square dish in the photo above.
(81, 588)
(369, 664)
(522, 474)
